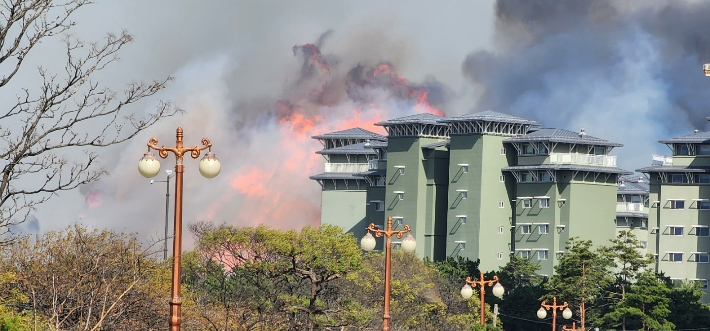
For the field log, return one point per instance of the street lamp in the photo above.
(574, 328)
(149, 166)
(467, 291)
(566, 313)
(167, 208)
(408, 245)
(706, 69)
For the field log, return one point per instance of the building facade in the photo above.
(679, 211)
(483, 186)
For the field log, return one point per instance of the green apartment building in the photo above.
(679, 212)
(483, 186)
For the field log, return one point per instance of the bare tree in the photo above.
(68, 110)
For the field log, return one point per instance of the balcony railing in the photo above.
(630, 206)
(588, 159)
(346, 167)
(373, 164)
(661, 160)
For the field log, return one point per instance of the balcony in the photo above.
(661, 160)
(585, 159)
(373, 164)
(346, 167)
(635, 207)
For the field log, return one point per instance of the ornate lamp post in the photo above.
(467, 291)
(408, 245)
(149, 166)
(566, 313)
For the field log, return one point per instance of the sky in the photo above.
(259, 78)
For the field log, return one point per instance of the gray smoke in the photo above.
(630, 72)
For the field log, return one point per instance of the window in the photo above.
(703, 204)
(703, 149)
(702, 232)
(400, 194)
(464, 168)
(527, 203)
(681, 149)
(526, 229)
(644, 224)
(702, 179)
(379, 205)
(675, 230)
(599, 151)
(528, 149)
(543, 150)
(542, 255)
(644, 244)
(500, 255)
(543, 228)
(400, 169)
(677, 204)
(380, 181)
(525, 177)
(462, 218)
(545, 203)
(702, 284)
(679, 178)
(502, 151)
(525, 254)
(464, 194)
(675, 257)
(545, 176)
(501, 204)
(501, 229)
(701, 257)
(501, 178)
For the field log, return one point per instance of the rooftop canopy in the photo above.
(562, 136)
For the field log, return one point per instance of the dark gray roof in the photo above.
(673, 169)
(612, 170)
(491, 116)
(354, 133)
(336, 175)
(424, 118)
(630, 214)
(437, 144)
(563, 136)
(699, 137)
(377, 144)
(632, 186)
(348, 149)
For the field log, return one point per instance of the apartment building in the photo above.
(484, 186)
(679, 208)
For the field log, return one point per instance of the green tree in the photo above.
(416, 296)
(286, 278)
(12, 318)
(66, 108)
(523, 289)
(687, 311)
(646, 305)
(581, 276)
(628, 264)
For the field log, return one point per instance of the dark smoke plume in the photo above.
(627, 71)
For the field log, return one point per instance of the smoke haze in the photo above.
(259, 79)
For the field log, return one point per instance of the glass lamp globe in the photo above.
(498, 290)
(209, 166)
(367, 242)
(466, 291)
(409, 244)
(148, 166)
(541, 313)
(567, 313)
